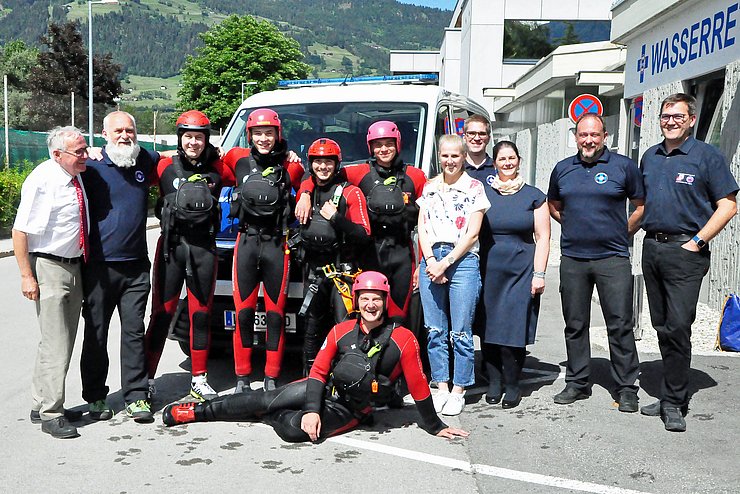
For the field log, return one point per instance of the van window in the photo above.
(460, 115)
(346, 123)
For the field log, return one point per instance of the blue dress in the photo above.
(509, 315)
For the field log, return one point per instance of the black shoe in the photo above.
(59, 428)
(493, 395)
(71, 415)
(653, 410)
(628, 401)
(269, 384)
(673, 418)
(511, 400)
(243, 385)
(570, 395)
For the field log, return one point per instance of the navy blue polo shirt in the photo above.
(481, 173)
(594, 204)
(117, 204)
(682, 187)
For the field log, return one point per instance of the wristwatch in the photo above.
(699, 241)
(450, 260)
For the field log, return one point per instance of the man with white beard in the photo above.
(116, 274)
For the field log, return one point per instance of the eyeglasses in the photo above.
(78, 154)
(472, 134)
(679, 118)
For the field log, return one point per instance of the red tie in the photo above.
(83, 217)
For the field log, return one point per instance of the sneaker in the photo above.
(140, 411)
(628, 401)
(673, 418)
(440, 399)
(653, 410)
(455, 404)
(570, 395)
(200, 389)
(179, 413)
(269, 384)
(99, 410)
(243, 385)
(152, 390)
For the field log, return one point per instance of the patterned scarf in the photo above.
(508, 187)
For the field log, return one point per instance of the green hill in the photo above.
(153, 37)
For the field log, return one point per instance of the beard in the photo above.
(122, 155)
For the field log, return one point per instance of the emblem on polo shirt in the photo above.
(601, 178)
(139, 176)
(685, 178)
(489, 180)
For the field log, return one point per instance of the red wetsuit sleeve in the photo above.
(306, 187)
(418, 178)
(162, 165)
(413, 371)
(355, 223)
(296, 172)
(225, 172)
(234, 155)
(355, 173)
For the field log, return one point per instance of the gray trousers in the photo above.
(58, 311)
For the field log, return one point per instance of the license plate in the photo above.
(260, 321)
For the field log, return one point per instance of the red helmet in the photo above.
(381, 130)
(193, 120)
(370, 280)
(325, 148)
(264, 117)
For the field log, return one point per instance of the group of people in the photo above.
(483, 247)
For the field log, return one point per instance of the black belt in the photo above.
(667, 237)
(63, 260)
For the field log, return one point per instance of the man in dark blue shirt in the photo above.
(479, 165)
(587, 196)
(116, 274)
(689, 198)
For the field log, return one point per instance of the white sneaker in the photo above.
(454, 405)
(440, 399)
(200, 389)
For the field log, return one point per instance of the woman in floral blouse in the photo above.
(451, 209)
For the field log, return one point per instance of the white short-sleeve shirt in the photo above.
(448, 208)
(49, 212)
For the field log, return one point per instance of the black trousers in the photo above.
(108, 286)
(282, 409)
(673, 277)
(613, 280)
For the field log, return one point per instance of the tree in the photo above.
(569, 37)
(240, 49)
(62, 70)
(526, 40)
(16, 61)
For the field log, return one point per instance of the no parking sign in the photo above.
(585, 103)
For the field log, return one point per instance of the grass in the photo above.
(185, 10)
(140, 85)
(333, 57)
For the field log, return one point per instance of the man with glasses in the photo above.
(479, 165)
(689, 198)
(50, 241)
(587, 195)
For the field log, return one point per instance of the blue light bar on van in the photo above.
(425, 78)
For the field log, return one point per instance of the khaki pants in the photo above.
(58, 311)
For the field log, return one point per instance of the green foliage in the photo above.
(240, 49)
(16, 60)
(11, 181)
(569, 37)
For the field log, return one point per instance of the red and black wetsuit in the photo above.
(284, 407)
(168, 275)
(391, 225)
(336, 241)
(261, 255)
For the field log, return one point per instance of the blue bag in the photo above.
(728, 334)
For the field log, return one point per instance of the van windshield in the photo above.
(346, 123)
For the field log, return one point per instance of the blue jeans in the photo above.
(448, 315)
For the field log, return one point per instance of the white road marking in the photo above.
(504, 473)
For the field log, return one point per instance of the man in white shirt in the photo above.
(49, 236)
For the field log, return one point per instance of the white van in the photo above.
(342, 112)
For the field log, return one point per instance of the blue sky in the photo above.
(440, 4)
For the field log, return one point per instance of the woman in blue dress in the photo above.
(514, 260)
